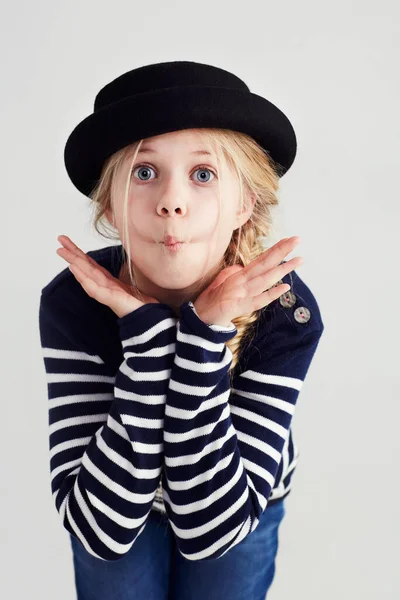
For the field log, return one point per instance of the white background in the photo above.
(333, 68)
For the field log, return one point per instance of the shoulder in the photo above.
(289, 324)
(64, 304)
(298, 308)
(65, 283)
(285, 336)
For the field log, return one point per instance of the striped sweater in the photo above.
(143, 415)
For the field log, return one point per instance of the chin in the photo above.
(172, 283)
(171, 279)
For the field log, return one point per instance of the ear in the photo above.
(110, 218)
(244, 216)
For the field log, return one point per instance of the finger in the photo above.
(71, 246)
(74, 258)
(260, 283)
(262, 300)
(271, 258)
(70, 252)
(92, 271)
(74, 249)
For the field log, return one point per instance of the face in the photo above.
(174, 191)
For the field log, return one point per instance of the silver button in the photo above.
(287, 299)
(302, 314)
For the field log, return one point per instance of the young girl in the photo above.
(175, 359)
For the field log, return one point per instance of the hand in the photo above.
(239, 290)
(97, 282)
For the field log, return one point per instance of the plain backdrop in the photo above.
(333, 68)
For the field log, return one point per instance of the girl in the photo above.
(175, 359)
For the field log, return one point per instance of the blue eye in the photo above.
(143, 168)
(146, 170)
(204, 169)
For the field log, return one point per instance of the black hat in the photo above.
(169, 96)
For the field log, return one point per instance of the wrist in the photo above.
(192, 323)
(208, 319)
(126, 310)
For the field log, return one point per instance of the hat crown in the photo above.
(155, 99)
(150, 78)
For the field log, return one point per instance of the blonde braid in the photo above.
(249, 247)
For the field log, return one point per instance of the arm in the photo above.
(106, 429)
(222, 446)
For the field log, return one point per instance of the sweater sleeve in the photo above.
(223, 446)
(106, 428)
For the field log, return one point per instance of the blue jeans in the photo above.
(153, 569)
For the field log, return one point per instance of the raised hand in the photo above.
(97, 282)
(239, 290)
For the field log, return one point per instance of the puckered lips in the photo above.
(172, 243)
(170, 240)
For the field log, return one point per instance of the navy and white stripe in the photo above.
(106, 429)
(225, 449)
(158, 425)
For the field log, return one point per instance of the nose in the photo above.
(171, 202)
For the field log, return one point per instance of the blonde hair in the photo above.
(258, 175)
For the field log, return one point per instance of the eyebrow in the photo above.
(151, 151)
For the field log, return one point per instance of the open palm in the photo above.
(98, 283)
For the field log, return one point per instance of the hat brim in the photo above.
(148, 114)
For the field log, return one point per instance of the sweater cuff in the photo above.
(191, 323)
(143, 318)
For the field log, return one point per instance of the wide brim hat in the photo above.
(170, 96)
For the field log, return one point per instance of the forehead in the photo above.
(187, 140)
